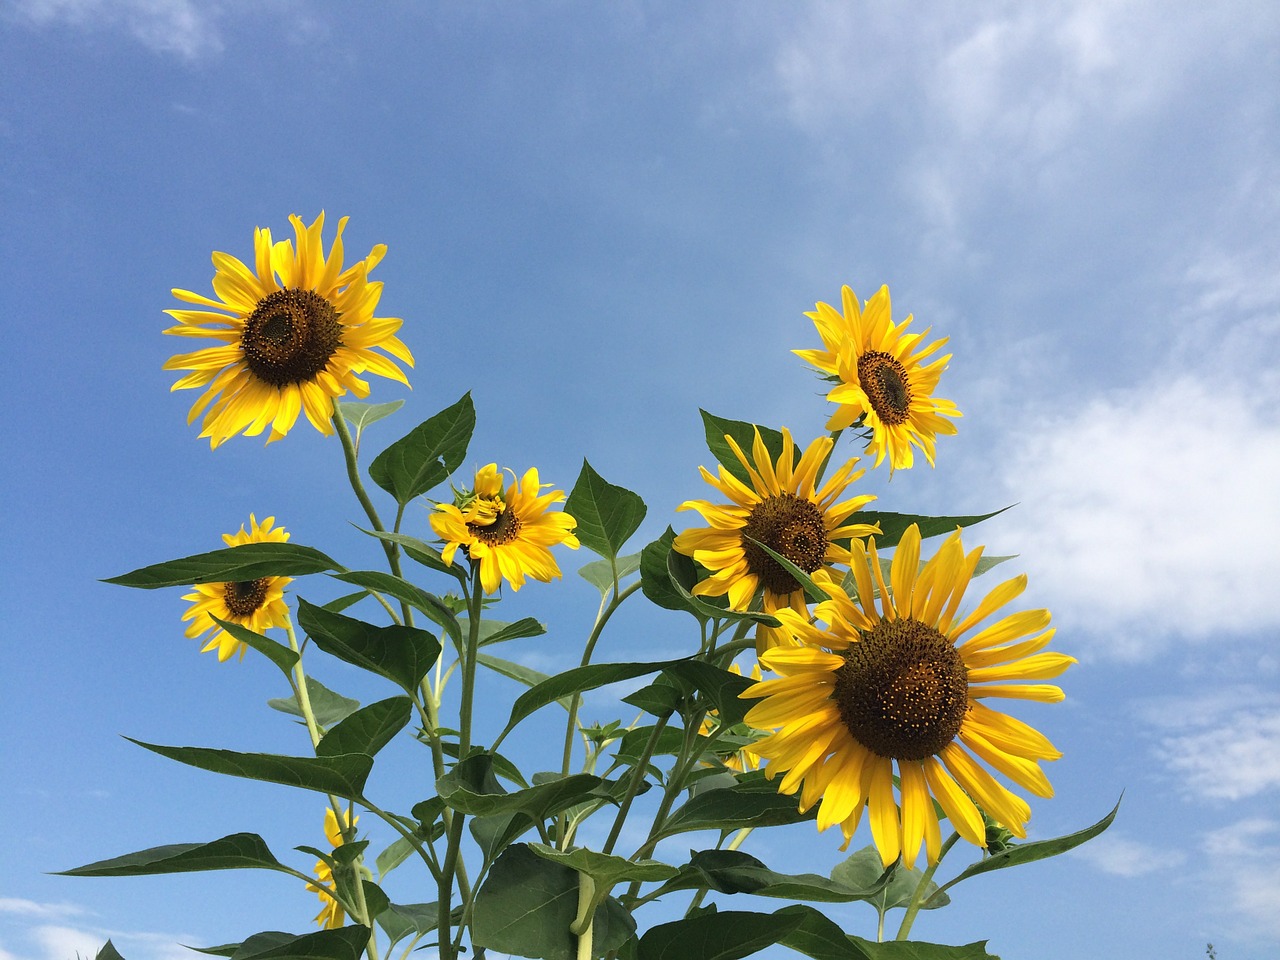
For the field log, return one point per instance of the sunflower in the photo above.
(507, 532)
(331, 915)
(256, 604)
(879, 688)
(782, 509)
(884, 383)
(300, 328)
(743, 759)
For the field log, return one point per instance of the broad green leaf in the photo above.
(239, 851)
(108, 952)
(427, 455)
(419, 551)
(249, 561)
(1037, 849)
(401, 920)
(394, 854)
(655, 581)
(818, 936)
(894, 525)
(724, 935)
(732, 871)
(498, 631)
(471, 788)
(415, 596)
(684, 577)
(633, 742)
(494, 834)
(754, 802)
(360, 415)
(599, 573)
(276, 652)
(659, 698)
(367, 730)
(912, 950)
(896, 884)
(744, 435)
(326, 706)
(607, 515)
(519, 672)
(343, 776)
(344, 943)
(604, 868)
(399, 653)
(526, 905)
(719, 686)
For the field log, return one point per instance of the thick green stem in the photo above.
(917, 896)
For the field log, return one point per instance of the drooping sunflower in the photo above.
(508, 532)
(256, 604)
(885, 383)
(331, 915)
(784, 509)
(295, 331)
(896, 687)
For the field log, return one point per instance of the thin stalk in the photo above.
(917, 896)
(637, 778)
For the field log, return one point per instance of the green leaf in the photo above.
(276, 652)
(684, 576)
(360, 415)
(497, 631)
(341, 603)
(527, 904)
(401, 654)
(420, 551)
(726, 935)
(894, 525)
(633, 742)
(415, 596)
(744, 434)
(402, 920)
(607, 515)
(344, 943)
(658, 698)
(239, 851)
(1036, 850)
(343, 776)
(605, 869)
(599, 573)
(327, 707)
(896, 884)
(108, 952)
(655, 581)
(427, 455)
(914, 950)
(818, 936)
(732, 871)
(471, 788)
(719, 686)
(367, 730)
(814, 592)
(519, 672)
(754, 802)
(249, 561)
(394, 854)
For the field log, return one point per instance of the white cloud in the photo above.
(30, 908)
(1245, 880)
(1237, 758)
(1118, 855)
(180, 27)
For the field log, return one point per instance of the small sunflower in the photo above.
(256, 604)
(331, 915)
(743, 759)
(507, 532)
(782, 509)
(884, 382)
(300, 328)
(879, 688)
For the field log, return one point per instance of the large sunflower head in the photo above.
(508, 532)
(884, 382)
(331, 915)
(256, 604)
(902, 686)
(294, 331)
(784, 509)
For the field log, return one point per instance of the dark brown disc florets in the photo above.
(884, 381)
(245, 597)
(790, 526)
(290, 337)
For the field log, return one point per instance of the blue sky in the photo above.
(599, 219)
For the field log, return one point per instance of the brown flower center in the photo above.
(244, 597)
(790, 526)
(290, 337)
(903, 690)
(884, 381)
(504, 529)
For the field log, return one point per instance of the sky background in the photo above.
(601, 217)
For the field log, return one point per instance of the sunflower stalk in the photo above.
(917, 895)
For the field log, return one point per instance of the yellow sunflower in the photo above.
(256, 604)
(783, 509)
(331, 915)
(894, 686)
(507, 532)
(745, 758)
(299, 329)
(884, 382)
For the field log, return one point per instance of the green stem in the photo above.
(917, 896)
(637, 778)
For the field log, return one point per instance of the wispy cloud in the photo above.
(1236, 758)
(1120, 856)
(1246, 883)
(30, 908)
(178, 27)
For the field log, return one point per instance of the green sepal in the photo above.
(249, 561)
(744, 434)
(399, 653)
(368, 729)
(239, 851)
(428, 454)
(343, 776)
(607, 515)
